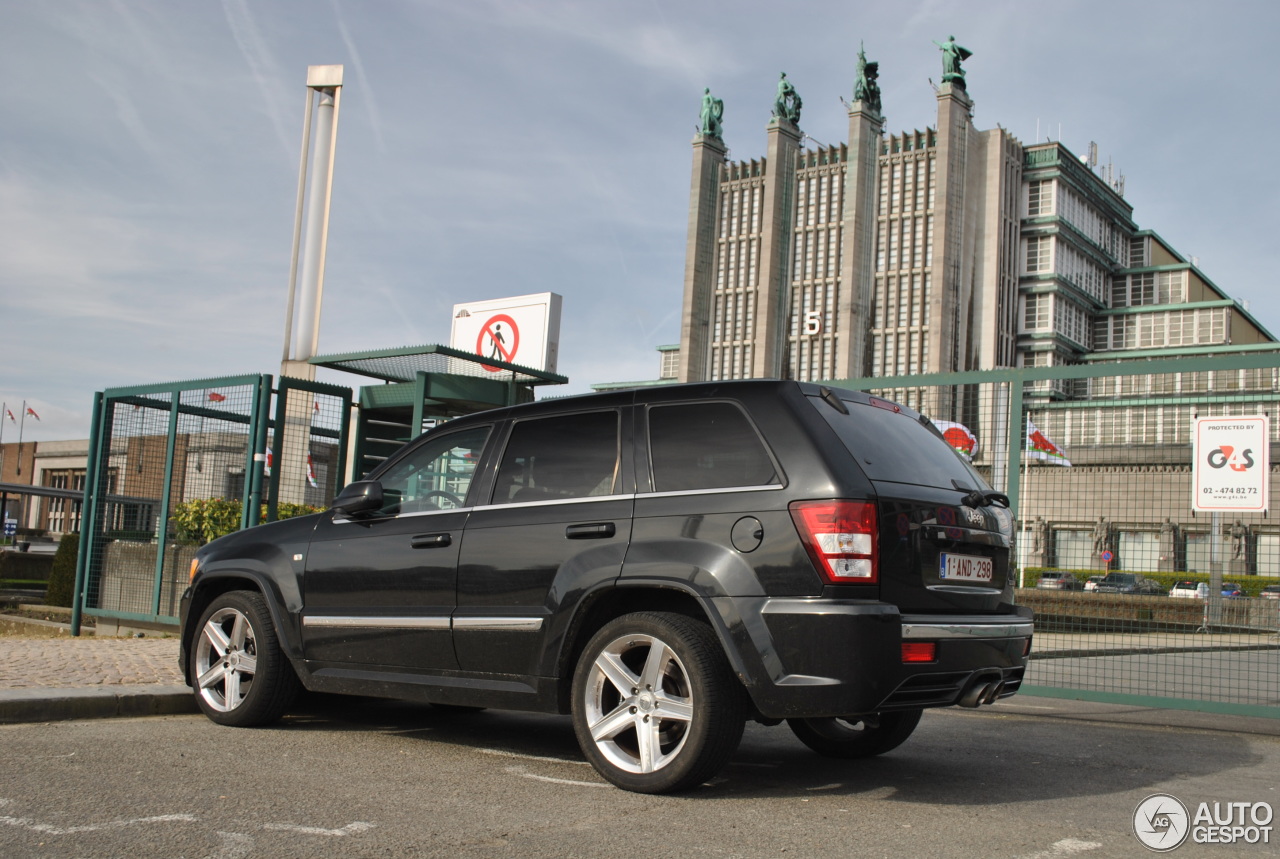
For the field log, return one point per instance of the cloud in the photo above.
(266, 72)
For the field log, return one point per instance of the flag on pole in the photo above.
(215, 397)
(270, 459)
(1040, 447)
(311, 472)
(8, 411)
(959, 437)
(31, 412)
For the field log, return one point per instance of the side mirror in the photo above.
(362, 496)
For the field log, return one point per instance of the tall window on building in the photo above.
(1137, 252)
(1171, 287)
(1035, 316)
(62, 515)
(1040, 198)
(1039, 254)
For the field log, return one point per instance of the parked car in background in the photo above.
(1231, 589)
(1270, 592)
(1056, 580)
(1134, 584)
(1091, 584)
(1189, 590)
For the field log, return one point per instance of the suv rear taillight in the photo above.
(841, 539)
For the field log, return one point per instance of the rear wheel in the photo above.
(655, 705)
(241, 677)
(856, 736)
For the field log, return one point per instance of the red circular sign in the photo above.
(499, 339)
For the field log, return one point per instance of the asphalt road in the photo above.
(360, 778)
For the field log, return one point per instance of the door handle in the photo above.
(430, 541)
(594, 531)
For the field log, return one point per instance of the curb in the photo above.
(103, 702)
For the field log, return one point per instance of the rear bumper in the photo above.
(822, 657)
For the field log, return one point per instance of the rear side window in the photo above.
(556, 458)
(896, 447)
(706, 446)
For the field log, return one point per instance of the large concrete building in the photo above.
(943, 250)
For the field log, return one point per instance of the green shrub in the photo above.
(206, 519)
(62, 578)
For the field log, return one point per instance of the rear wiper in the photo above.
(978, 498)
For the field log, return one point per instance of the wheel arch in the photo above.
(627, 597)
(212, 585)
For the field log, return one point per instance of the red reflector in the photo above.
(919, 651)
(1026, 648)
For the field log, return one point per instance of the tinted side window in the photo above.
(436, 476)
(568, 456)
(706, 446)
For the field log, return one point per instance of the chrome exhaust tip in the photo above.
(983, 689)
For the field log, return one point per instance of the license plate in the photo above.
(965, 568)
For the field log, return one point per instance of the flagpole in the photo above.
(21, 426)
(4, 500)
(1024, 501)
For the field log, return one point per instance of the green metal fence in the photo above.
(1097, 460)
(172, 465)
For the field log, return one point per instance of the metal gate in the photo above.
(174, 465)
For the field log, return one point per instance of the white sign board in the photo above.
(1231, 464)
(523, 330)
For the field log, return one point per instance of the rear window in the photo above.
(893, 446)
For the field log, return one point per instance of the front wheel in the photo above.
(856, 736)
(655, 706)
(241, 676)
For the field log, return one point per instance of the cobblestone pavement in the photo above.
(65, 663)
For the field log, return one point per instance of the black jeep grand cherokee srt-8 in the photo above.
(661, 563)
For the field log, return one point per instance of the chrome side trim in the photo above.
(338, 519)
(498, 624)
(717, 491)
(967, 630)
(350, 622)
(579, 500)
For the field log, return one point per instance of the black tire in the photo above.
(666, 709)
(240, 675)
(856, 736)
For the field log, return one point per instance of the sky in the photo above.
(149, 157)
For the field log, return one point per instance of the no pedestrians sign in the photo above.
(1231, 467)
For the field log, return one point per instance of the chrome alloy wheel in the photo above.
(638, 703)
(226, 659)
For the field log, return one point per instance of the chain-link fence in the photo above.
(173, 466)
(1138, 598)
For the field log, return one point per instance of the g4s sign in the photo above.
(1230, 470)
(1226, 455)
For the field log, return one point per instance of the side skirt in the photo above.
(497, 691)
